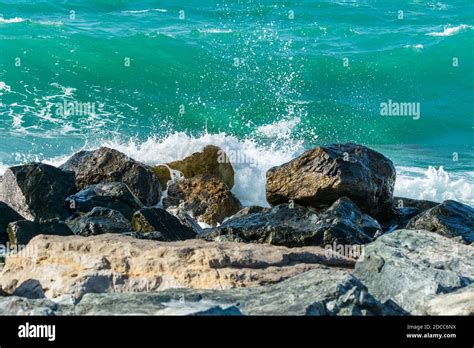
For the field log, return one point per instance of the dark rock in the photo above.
(7, 215)
(249, 210)
(99, 221)
(211, 161)
(21, 232)
(402, 210)
(185, 219)
(149, 220)
(293, 226)
(114, 195)
(37, 191)
(411, 267)
(29, 289)
(155, 235)
(450, 219)
(207, 198)
(324, 174)
(107, 165)
(421, 205)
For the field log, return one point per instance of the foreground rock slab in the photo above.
(412, 267)
(116, 263)
(322, 175)
(37, 191)
(108, 165)
(450, 219)
(320, 291)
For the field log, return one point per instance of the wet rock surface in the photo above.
(106, 165)
(206, 197)
(37, 191)
(450, 219)
(324, 174)
(114, 195)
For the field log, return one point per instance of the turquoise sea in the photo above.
(262, 79)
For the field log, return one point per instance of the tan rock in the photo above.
(113, 263)
(206, 197)
(211, 161)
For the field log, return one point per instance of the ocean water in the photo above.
(264, 80)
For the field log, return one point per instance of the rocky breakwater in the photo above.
(102, 237)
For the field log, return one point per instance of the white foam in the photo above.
(249, 160)
(145, 11)
(449, 30)
(215, 31)
(11, 20)
(5, 87)
(434, 184)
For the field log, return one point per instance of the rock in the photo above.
(116, 263)
(99, 221)
(411, 267)
(114, 195)
(155, 219)
(320, 291)
(185, 219)
(14, 305)
(249, 210)
(206, 197)
(421, 205)
(403, 209)
(450, 219)
(27, 189)
(211, 161)
(342, 223)
(324, 174)
(7, 215)
(21, 232)
(459, 302)
(106, 165)
(30, 288)
(155, 235)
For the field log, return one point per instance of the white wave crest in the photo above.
(449, 30)
(11, 20)
(145, 11)
(435, 185)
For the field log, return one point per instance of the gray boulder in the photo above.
(108, 165)
(99, 221)
(324, 174)
(21, 232)
(411, 267)
(450, 219)
(292, 226)
(150, 220)
(37, 191)
(7, 215)
(114, 195)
